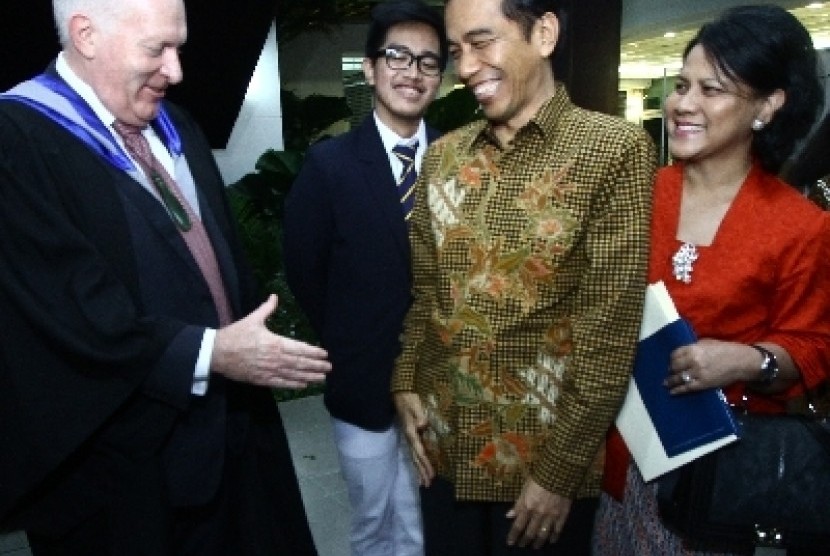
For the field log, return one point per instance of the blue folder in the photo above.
(685, 421)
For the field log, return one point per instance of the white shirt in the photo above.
(390, 139)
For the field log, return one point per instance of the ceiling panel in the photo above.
(650, 57)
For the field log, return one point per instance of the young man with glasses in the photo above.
(347, 260)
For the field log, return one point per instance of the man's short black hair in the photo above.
(526, 12)
(393, 12)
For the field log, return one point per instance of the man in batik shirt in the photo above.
(529, 244)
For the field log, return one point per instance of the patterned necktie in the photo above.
(189, 225)
(406, 181)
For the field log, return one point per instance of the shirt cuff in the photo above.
(201, 376)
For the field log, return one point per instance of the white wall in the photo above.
(259, 124)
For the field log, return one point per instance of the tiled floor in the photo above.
(315, 458)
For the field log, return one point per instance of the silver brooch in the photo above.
(682, 262)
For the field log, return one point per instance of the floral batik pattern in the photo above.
(528, 264)
(497, 273)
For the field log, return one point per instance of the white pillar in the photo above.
(259, 124)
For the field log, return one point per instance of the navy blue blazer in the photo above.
(347, 260)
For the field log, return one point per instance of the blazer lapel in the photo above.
(159, 221)
(432, 134)
(156, 217)
(224, 256)
(211, 206)
(380, 182)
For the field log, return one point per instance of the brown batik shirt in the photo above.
(529, 266)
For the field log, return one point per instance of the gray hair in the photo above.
(63, 10)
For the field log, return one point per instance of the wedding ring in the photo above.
(685, 377)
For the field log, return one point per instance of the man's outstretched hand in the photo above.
(246, 351)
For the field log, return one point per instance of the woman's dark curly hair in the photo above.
(767, 48)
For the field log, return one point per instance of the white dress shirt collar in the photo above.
(390, 139)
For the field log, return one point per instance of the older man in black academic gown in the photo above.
(133, 413)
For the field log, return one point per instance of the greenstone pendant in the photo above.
(174, 207)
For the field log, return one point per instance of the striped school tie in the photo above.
(406, 181)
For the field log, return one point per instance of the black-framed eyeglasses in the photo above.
(399, 59)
